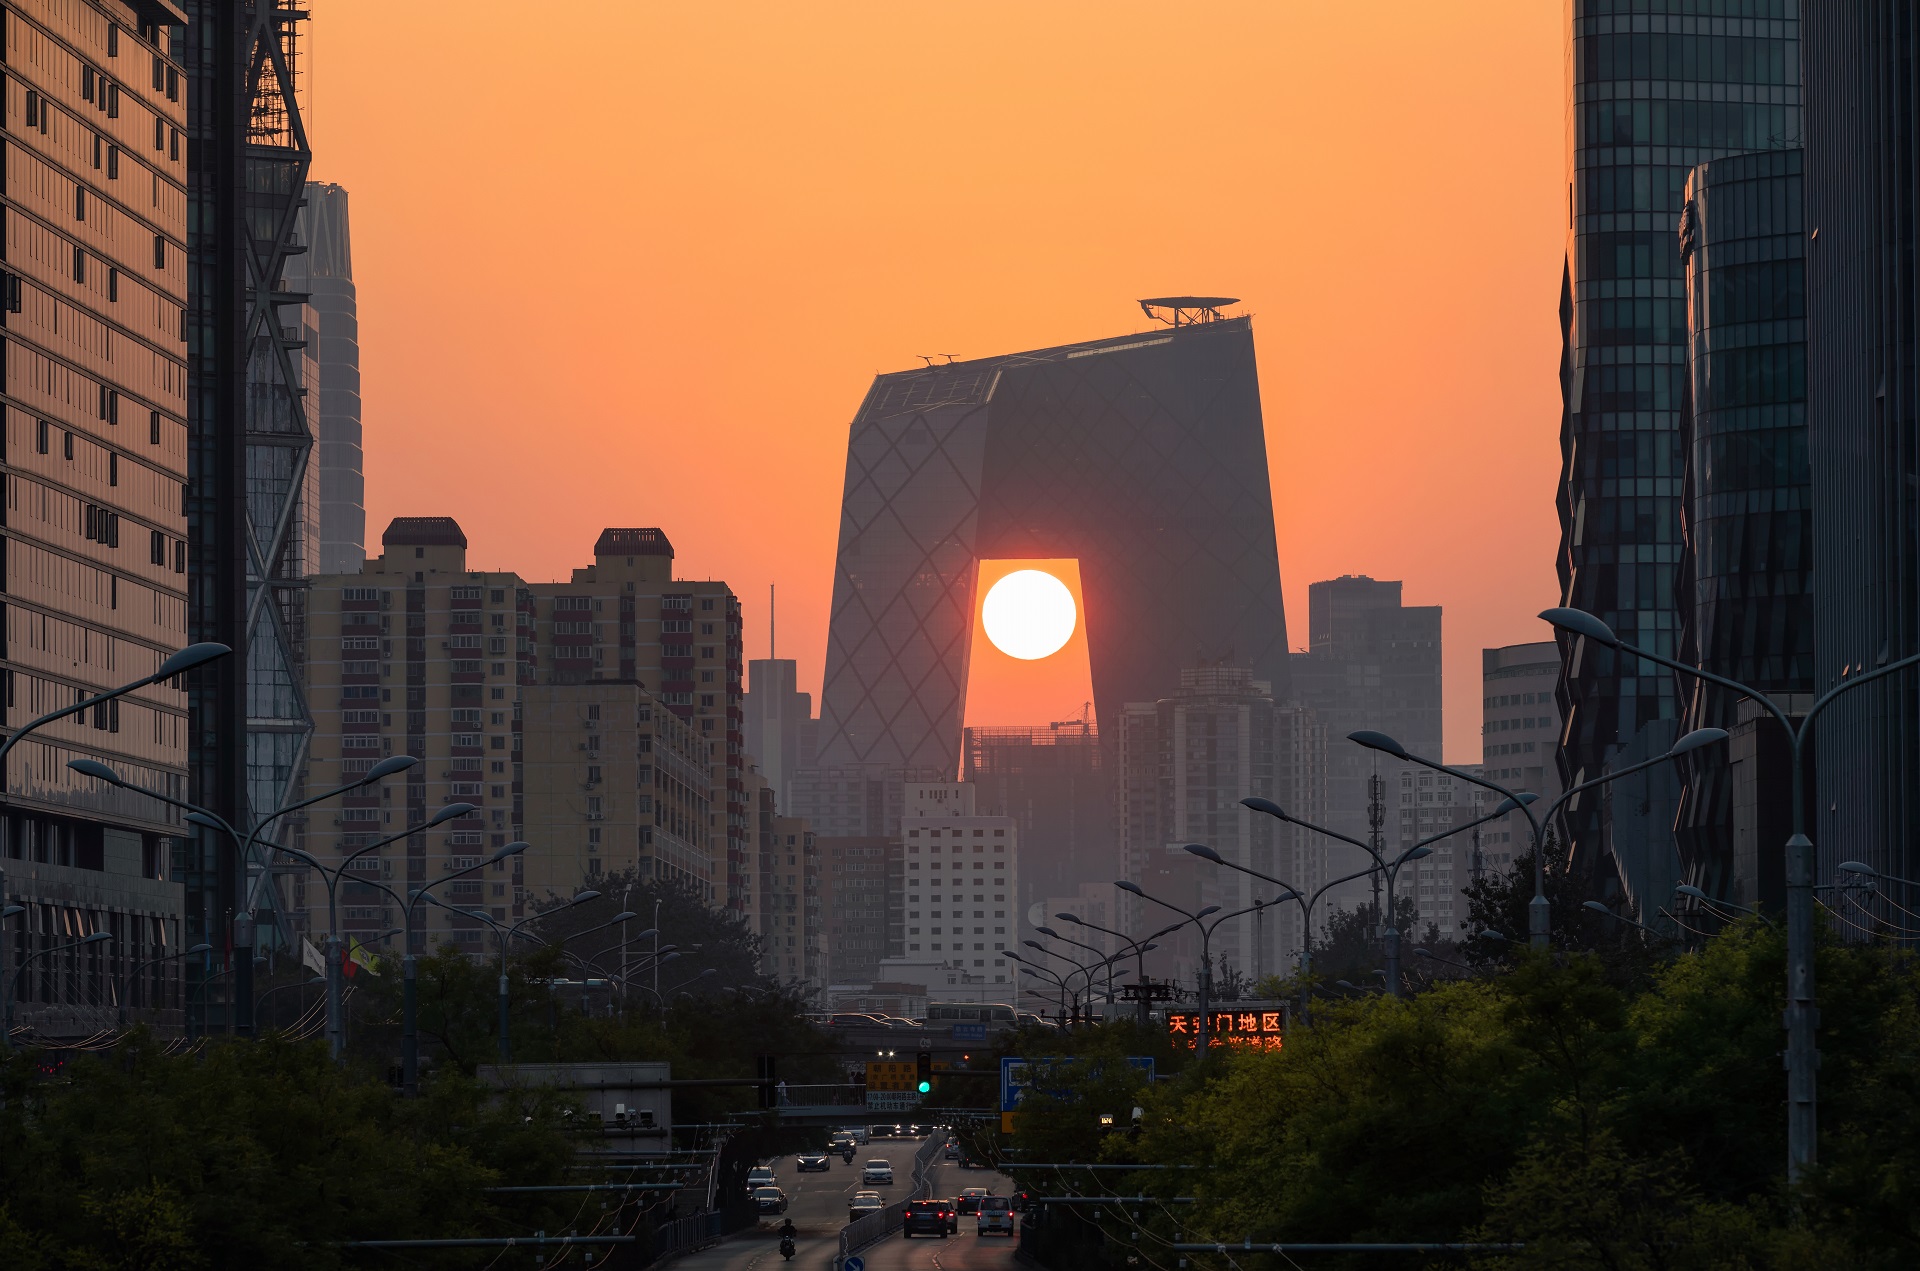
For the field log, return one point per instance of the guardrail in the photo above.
(875, 1227)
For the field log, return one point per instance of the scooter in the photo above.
(786, 1246)
(847, 1156)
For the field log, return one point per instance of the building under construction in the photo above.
(1051, 779)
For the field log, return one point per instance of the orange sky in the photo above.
(634, 263)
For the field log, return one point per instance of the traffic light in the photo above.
(923, 1068)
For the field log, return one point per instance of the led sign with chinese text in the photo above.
(1253, 1030)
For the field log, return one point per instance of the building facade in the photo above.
(1520, 737)
(1436, 808)
(968, 922)
(780, 730)
(96, 463)
(856, 873)
(1658, 86)
(1373, 662)
(324, 271)
(1747, 574)
(626, 616)
(614, 781)
(1142, 456)
(1863, 426)
(417, 655)
(1054, 781)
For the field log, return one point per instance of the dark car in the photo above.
(930, 1218)
(811, 1163)
(769, 1200)
(970, 1199)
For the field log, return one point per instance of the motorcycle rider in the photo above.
(787, 1232)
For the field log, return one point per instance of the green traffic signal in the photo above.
(925, 1086)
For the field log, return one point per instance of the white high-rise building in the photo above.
(956, 898)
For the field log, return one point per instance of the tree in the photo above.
(1351, 951)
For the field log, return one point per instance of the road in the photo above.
(964, 1252)
(817, 1203)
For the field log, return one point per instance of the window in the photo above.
(98, 148)
(79, 202)
(42, 432)
(157, 549)
(159, 251)
(113, 163)
(113, 469)
(33, 109)
(69, 445)
(113, 101)
(79, 264)
(159, 134)
(153, 427)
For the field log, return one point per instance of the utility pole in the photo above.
(1478, 868)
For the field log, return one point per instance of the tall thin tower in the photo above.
(325, 273)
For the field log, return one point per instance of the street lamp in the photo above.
(1719, 908)
(132, 975)
(1206, 969)
(243, 846)
(410, 969)
(1803, 1056)
(1138, 947)
(13, 981)
(336, 1023)
(1036, 967)
(504, 932)
(1605, 912)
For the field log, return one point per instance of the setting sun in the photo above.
(1029, 615)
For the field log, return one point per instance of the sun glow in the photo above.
(1029, 614)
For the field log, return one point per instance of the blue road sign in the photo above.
(969, 1032)
(1018, 1076)
(855, 1263)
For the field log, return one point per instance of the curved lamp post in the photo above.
(13, 981)
(1031, 965)
(1135, 948)
(126, 990)
(1803, 1056)
(503, 933)
(1605, 912)
(1206, 968)
(243, 846)
(410, 969)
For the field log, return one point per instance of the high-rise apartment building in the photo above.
(96, 465)
(614, 781)
(1747, 575)
(954, 907)
(856, 800)
(1863, 396)
(1185, 761)
(1373, 663)
(324, 271)
(1052, 779)
(1141, 456)
(1658, 86)
(417, 655)
(790, 922)
(627, 617)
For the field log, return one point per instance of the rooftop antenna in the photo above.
(772, 648)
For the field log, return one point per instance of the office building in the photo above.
(1863, 392)
(1747, 575)
(1184, 762)
(1141, 456)
(856, 800)
(780, 730)
(1520, 737)
(1658, 86)
(1372, 663)
(1053, 781)
(324, 271)
(96, 460)
(955, 934)
(791, 926)
(614, 781)
(417, 655)
(627, 617)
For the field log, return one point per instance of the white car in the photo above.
(996, 1214)
(877, 1171)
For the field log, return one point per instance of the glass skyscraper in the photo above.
(1658, 87)
(1747, 573)
(1142, 456)
(1863, 425)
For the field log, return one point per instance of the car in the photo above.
(930, 1218)
(972, 1162)
(769, 1200)
(880, 1131)
(996, 1215)
(877, 1170)
(1022, 1201)
(858, 1133)
(760, 1176)
(970, 1199)
(953, 1151)
(811, 1163)
(920, 1131)
(864, 1203)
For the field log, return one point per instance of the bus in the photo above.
(997, 1014)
